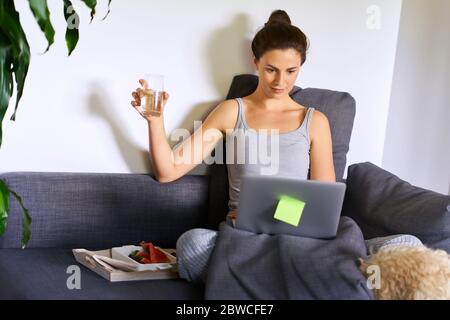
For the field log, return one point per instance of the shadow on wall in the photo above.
(228, 52)
(99, 105)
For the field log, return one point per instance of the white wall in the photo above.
(76, 116)
(417, 146)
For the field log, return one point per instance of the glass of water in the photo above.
(152, 101)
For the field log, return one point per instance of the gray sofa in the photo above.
(100, 210)
(95, 211)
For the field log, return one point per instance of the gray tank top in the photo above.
(255, 153)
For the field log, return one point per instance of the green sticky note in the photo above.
(289, 210)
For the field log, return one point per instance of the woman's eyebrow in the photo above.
(269, 65)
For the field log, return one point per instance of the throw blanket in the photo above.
(245, 265)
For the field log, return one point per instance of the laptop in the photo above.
(284, 205)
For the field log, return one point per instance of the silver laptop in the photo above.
(321, 205)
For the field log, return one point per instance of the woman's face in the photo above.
(278, 69)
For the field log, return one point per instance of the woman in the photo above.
(304, 137)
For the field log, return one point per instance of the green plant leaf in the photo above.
(42, 16)
(109, 9)
(4, 206)
(91, 4)
(26, 221)
(73, 23)
(6, 78)
(11, 27)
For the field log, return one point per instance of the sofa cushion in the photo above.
(339, 107)
(42, 274)
(383, 204)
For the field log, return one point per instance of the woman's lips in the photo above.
(277, 90)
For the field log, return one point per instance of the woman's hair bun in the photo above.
(279, 33)
(278, 16)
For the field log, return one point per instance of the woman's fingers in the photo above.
(143, 83)
(140, 92)
(137, 100)
(135, 103)
(165, 97)
(232, 214)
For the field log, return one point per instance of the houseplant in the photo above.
(15, 60)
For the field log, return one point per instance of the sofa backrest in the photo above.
(103, 210)
(339, 107)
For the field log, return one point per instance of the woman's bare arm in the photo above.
(193, 150)
(168, 164)
(322, 166)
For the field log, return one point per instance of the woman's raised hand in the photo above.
(139, 93)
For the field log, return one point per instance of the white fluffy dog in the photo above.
(409, 273)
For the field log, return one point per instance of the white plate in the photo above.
(122, 253)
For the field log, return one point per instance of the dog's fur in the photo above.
(410, 273)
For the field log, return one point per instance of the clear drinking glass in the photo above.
(151, 102)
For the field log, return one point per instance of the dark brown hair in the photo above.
(279, 33)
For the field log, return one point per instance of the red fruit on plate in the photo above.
(143, 254)
(152, 253)
(146, 246)
(144, 261)
(157, 256)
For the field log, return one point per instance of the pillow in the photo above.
(339, 107)
(383, 204)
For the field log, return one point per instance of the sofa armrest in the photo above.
(383, 204)
(102, 210)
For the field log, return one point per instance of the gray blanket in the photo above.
(245, 265)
